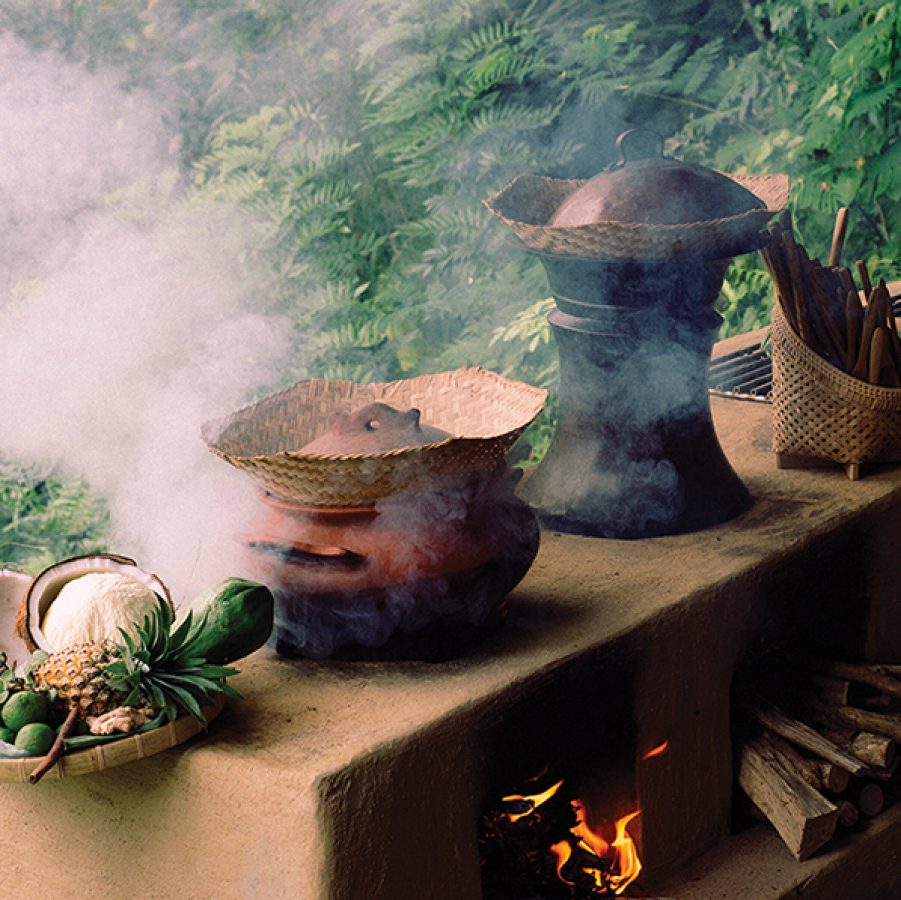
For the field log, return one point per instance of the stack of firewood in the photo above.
(820, 746)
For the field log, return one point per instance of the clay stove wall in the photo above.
(364, 781)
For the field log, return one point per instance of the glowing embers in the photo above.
(656, 751)
(547, 845)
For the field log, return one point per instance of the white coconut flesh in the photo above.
(87, 598)
(95, 606)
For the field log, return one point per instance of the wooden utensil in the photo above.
(854, 328)
(838, 236)
(871, 321)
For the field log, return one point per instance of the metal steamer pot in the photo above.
(635, 259)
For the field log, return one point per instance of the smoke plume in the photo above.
(126, 317)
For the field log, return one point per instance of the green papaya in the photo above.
(232, 619)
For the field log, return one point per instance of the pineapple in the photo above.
(154, 668)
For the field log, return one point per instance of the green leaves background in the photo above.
(360, 140)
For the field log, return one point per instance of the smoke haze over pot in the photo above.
(123, 324)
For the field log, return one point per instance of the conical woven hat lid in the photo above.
(482, 412)
(647, 208)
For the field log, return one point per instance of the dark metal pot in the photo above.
(634, 453)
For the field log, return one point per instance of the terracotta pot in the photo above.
(417, 575)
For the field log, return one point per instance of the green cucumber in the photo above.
(232, 619)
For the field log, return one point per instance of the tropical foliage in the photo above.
(361, 140)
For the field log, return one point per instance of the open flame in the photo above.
(612, 866)
(531, 801)
(547, 841)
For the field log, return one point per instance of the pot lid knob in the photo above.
(636, 144)
(647, 188)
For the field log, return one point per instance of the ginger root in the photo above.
(123, 719)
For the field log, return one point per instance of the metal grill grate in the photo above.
(746, 374)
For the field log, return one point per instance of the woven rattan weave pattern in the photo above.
(483, 411)
(528, 202)
(820, 411)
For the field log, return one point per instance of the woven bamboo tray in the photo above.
(822, 414)
(484, 412)
(527, 203)
(127, 749)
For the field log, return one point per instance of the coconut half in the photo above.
(96, 596)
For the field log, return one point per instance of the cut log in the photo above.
(886, 669)
(808, 769)
(833, 778)
(848, 814)
(798, 733)
(803, 818)
(870, 799)
(886, 774)
(874, 749)
(877, 703)
(888, 724)
(860, 674)
(828, 689)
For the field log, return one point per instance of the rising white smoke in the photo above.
(125, 322)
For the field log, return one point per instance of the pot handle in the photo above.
(303, 553)
(638, 143)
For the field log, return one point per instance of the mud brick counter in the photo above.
(365, 781)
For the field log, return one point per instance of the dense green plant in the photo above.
(44, 518)
(816, 95)
(362, 146)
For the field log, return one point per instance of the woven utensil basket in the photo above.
(821, 413)
(484, 412)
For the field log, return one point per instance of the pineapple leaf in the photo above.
(198, 684)
(128, 639)
(184, 700)
(155, 695)
(178, 637)
(211, 671)
(133, 697)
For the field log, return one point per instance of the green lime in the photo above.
(24, 708)
(36, 737)
(7, 734)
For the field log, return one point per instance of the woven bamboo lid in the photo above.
(528, 203)
(483, 412)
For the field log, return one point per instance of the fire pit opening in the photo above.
(560, 815)
(575, 836)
